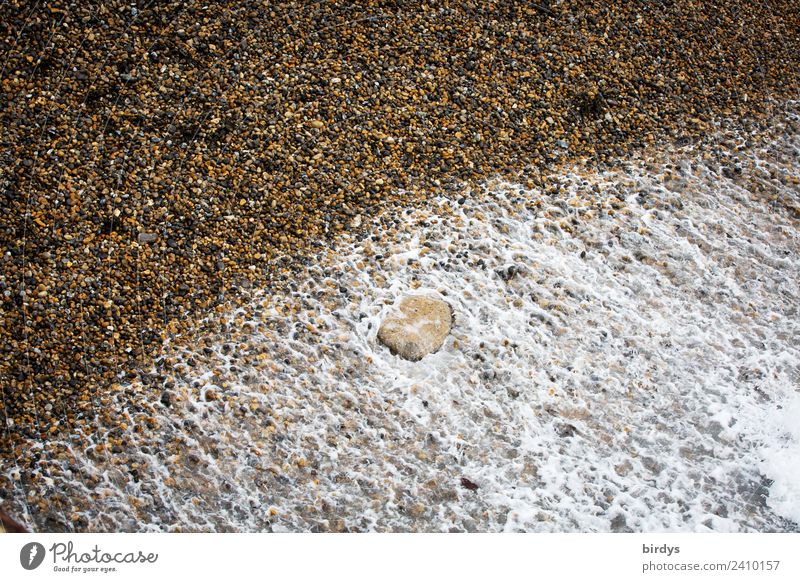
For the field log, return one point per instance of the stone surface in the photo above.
(10, 525)
(418, 328)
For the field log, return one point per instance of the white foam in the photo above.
(781, 457)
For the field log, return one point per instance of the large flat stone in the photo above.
(417, 328)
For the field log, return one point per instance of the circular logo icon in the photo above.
(31, 555)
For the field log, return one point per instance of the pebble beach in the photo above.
(209, 208)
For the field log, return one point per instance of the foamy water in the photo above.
(625, 357)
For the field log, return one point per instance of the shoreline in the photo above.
(175, 159)
(238, 376)
(159, 166)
